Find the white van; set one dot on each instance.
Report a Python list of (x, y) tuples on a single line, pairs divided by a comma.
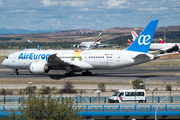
[(128, 96)]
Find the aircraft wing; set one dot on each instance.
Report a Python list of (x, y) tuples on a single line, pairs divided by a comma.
[(54, 60)]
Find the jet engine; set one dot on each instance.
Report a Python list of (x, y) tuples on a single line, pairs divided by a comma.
[(38, 68), (76, 46)]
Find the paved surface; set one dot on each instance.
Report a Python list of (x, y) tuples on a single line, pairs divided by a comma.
[(167, 74), (159, 77)]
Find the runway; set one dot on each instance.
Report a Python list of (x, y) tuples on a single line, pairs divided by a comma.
[(151, 74)]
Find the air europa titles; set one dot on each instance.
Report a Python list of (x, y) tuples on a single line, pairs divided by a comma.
[(33, 56)]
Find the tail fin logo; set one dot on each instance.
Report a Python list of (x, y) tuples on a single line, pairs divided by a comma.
[(144, 40)]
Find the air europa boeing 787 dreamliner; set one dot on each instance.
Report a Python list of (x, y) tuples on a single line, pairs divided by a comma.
[(41, 61)]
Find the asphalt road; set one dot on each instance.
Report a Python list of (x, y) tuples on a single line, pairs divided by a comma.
[(167, 74)]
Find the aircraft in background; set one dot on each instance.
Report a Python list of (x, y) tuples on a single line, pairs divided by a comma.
[(38, 48), (134, 35), (161, 41), (89, 45), (163, 47), (30, 41), (41, 61), (129, 41)]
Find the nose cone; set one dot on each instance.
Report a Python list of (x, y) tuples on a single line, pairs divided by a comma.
[(4, 63)]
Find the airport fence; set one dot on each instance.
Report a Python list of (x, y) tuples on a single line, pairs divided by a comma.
[(170, 110), (97, 99)]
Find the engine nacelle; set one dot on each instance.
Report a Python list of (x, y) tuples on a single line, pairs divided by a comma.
[(76, 46), (38, 68)]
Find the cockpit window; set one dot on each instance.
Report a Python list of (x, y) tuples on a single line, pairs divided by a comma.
[(6, 57)]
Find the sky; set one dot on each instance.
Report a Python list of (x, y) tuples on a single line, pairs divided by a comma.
[(86, 14)]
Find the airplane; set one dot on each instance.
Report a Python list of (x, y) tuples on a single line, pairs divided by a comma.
[(42, 61), (163, 47), (129, 42), (30, 41), (134, 35), (161, 41), (38, 48), (88, 45)]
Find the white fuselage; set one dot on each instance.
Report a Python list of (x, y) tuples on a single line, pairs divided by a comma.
[(88, 44), (85, 60), (162, 47)]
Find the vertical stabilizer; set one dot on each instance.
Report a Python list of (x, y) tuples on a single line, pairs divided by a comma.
[(98, 40), (38, 46), (143, 41), (161, 41), (134, 35)]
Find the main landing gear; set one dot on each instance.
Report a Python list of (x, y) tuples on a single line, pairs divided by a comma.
[(69, 74), (15, 71), (87, 73)]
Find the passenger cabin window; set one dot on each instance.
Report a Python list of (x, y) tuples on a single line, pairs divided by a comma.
[(133, 93), (140, 93)]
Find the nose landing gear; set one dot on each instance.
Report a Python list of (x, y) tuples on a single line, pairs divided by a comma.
[(15, 71)]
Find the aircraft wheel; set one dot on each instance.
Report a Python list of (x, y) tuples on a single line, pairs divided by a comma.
[(83, 73), (16, 73), (66, 74), (86, 73), (90, 73), (69, 74)]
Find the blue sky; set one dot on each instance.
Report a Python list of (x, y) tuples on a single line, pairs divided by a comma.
[(86, 14)]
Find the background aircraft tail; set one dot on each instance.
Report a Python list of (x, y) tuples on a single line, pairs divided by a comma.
[(161, 41), (129, 42), (99, 38), (134, 35), (38, 46), (143, 41)]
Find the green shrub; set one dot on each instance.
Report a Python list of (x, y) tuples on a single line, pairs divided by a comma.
[(168, 87), (102, 87)]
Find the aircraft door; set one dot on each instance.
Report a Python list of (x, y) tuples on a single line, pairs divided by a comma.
[(85, 58), (117, 58), (13, 58)]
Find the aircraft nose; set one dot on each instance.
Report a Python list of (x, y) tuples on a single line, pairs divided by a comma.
[(4, 63)]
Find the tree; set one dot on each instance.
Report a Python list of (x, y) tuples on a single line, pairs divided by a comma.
[(136, 84), (168, 88), (102, 87), (68, 88), (46, 90), (45, 108), (30, 90)]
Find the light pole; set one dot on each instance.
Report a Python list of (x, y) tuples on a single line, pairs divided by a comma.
[(97, 91), (29, 83), (160, 103)]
